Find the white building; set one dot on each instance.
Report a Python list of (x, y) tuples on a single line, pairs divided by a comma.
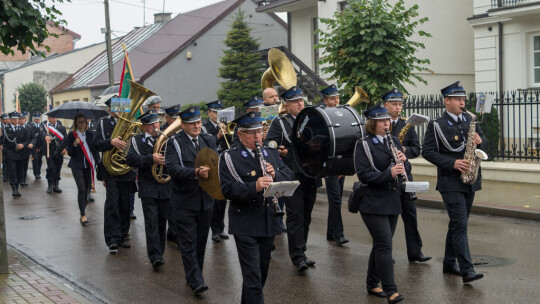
[(450, 50)]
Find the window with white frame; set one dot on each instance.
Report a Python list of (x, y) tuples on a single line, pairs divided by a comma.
[(536, 60)]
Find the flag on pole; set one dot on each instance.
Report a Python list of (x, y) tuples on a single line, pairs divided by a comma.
[(127, 74), (17, 104)]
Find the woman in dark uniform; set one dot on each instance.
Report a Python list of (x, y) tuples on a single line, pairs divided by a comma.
[(381, 204)]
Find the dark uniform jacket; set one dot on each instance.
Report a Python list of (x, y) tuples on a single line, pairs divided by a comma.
[(383, 195), (180, 161), (78, 160), (57, 145), (249, 213), (209, 128), (140, 156), (436, 152), (102, 143), (13, 137), (36, 131), (410, 142), (283, 138), (27, 151)]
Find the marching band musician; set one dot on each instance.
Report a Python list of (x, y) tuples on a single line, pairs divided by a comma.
[(252, 105), (53, 134), (444, 146), (252, 218), (15, 140), (300, 205), (380, 206), (393, 102), (212, 127), (270, 96), (37, 152), (152, 103), (5, 123), (27, 150), (155, 196), (191, 205), (118, 188), (334, 184)]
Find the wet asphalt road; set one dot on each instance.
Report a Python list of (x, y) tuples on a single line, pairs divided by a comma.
[(46, 228)]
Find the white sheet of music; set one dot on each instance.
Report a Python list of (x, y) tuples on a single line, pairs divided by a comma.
[(417, 119), (416, 186), (279, 189)]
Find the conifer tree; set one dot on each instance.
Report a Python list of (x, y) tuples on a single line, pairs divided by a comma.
[(240, 68)]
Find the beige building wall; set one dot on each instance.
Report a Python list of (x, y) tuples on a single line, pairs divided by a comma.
[(75, 95)]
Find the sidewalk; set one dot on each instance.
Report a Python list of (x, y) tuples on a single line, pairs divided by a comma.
[(508, 199), (28, 283)]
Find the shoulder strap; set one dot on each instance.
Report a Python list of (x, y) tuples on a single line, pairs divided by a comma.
[(283, 130), (134, 144), (231, 167), (177, 147)]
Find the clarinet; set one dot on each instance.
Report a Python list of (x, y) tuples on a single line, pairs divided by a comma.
[(398, 161), (279, 212)]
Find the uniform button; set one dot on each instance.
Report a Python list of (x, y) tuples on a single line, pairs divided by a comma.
[(394, 188), (238, 210)]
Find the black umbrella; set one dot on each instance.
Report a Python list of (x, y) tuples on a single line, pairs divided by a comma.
[(70, 109)]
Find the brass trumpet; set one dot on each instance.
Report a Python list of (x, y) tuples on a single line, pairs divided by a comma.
[(230, 127)]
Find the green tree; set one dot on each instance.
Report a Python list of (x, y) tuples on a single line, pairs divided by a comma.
[(369, 45), (24, 24), (32, 97), (240, 66)]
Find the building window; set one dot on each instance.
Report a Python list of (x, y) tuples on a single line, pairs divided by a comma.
[(536, 60), (343, 5)]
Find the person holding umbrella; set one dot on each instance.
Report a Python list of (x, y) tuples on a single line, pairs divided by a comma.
[(53, 133), (83, 160)]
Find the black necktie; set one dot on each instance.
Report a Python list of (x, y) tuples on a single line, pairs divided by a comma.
[(393, 125), (196, 144), (152, 140)]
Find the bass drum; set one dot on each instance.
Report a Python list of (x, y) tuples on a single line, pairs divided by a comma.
[(324, 140)]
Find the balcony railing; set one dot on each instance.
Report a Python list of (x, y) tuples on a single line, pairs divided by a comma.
[(508, 3)]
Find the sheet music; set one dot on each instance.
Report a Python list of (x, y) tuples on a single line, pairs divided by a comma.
[(417, 120), (226, 115), (279, 189), (416, 186)]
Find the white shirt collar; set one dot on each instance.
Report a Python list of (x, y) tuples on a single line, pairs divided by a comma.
[(455, 117), (381, 138), (191, 138)]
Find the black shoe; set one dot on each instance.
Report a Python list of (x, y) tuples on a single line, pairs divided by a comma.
[(15, 191), (273, 246), (125, 244), (56, 189), (380, 294), (126, 237), (156, 264), (91, 199), (200, 289), (215, 237), (472, 276), (397, 299), (132, 216), (309, 262), (341, 240), (37, 177), (162, 261), (452, 270), (283, 227), (24, 184), (49, 187), (113, 248), (223, 235), (420, 258), (302, 266)]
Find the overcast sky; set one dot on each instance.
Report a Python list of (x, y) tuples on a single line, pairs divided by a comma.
[(87, 17)]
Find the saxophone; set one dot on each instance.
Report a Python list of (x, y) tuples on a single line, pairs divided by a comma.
[(403, 132), (473, 155)]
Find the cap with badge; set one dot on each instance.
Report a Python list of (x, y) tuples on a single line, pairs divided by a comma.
[(215, 105), (378, 111), (249, 121), (292, 94), (14, 114), (330, 91), (173, 111), (393, 95), (454, 90), (36, 115), (254, 103), (24, 114), (4, 116), (149, 117), (191, 114)]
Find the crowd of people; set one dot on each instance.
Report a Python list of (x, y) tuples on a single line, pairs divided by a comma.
[(248, 164)]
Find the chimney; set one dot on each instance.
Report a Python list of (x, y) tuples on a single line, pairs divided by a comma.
[(162, 17)]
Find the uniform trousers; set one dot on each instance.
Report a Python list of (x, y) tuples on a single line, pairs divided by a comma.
[(25, 169), (218, 216), (334, 190), (117, 205), (254, 256), (15, 170), (5, 173), (54, 165), (299, 207), (37, 162), (155, 221), (192, 229), (458, 206), (410, 223), (83, 179), (380, 265)]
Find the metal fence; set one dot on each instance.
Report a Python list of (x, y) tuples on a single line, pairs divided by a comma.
[(507, 3), (512, 129)]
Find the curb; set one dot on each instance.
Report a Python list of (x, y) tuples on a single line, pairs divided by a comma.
[(476, 208)]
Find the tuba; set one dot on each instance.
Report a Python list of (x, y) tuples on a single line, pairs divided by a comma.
[(114, 160), (473, 155), (359, 96), (157, 170), (280, 70)]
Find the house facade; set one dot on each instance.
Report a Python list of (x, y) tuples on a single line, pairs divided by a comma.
[(450, 50)]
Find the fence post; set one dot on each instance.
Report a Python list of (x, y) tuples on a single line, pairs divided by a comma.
[(3, 240)]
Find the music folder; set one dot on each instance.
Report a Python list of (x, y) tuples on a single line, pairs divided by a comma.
[(279, 189), (416, 186)]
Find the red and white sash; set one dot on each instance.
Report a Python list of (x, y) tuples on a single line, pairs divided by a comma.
[(55, 132), (87, 154)]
